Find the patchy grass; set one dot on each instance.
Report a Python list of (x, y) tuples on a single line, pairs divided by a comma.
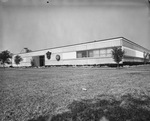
[(126, 108), (48, 93)]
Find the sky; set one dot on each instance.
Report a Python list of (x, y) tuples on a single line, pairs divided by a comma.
[(36, 24)]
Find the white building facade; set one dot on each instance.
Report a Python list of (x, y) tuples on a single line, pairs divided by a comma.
[(90, 53)]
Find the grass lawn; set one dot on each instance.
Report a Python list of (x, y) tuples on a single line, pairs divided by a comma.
[(27, 93)]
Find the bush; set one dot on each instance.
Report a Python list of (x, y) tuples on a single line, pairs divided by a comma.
[(33, 63)]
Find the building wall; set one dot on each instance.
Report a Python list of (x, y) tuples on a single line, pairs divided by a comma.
[(25, 62), (133, 51), (27, 57), (96, 52), (69, 56)]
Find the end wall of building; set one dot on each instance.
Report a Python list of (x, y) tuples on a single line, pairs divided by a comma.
[(134, 52)]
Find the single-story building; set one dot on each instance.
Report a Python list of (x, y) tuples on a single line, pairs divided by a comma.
[(96, 52)]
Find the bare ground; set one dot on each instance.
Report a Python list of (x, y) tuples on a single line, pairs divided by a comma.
[(27, 93)]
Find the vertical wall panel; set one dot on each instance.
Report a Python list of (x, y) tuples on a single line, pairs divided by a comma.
[(69, 55), (133, 53)]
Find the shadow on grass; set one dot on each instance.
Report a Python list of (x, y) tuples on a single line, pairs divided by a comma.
[(40, 118), (106, 108)]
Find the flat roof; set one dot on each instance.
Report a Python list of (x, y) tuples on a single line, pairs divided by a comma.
[(134, 43), (90, 42)]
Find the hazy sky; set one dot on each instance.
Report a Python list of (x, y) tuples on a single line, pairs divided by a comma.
[(38, 25)]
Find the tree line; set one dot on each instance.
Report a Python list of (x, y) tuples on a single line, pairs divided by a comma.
[(6, 58)]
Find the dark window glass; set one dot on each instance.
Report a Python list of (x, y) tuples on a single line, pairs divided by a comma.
[(90, 53), (81, 54)]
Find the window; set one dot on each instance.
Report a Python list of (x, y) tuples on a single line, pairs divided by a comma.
[(108, 51), (81, 54), (103, 53), (90, 53), (96, 53)]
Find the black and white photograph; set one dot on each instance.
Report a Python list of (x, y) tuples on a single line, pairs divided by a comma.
[(74, 60)]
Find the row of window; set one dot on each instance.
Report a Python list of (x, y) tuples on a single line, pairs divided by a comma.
[(94, 53)]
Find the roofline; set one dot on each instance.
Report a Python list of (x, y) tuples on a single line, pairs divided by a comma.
[(74, 44), (89, 42), (135, 43)]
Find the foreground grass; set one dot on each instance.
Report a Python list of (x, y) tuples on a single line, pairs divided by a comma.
[(51, 93), (108, 108)]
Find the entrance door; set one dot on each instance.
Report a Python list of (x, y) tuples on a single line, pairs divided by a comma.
[(42, 60)]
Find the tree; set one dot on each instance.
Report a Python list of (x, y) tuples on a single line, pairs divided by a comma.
[(145, 57), (117, 54), (18, 59), (33, 63), (5, 57)]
